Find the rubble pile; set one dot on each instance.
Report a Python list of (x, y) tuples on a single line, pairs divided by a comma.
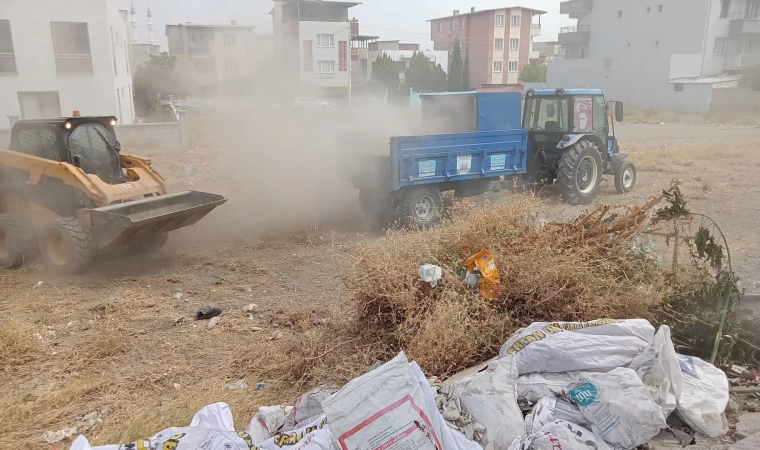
[(603, 384)]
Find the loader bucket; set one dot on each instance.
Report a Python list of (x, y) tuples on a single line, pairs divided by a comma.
[(141, 219)]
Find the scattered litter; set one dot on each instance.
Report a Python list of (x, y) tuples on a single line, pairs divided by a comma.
[(37, 284), (240, 384), (276, 335), (599, 345), (178, 295), (535, 386), (704, 396), (214, 320), (177, 386), (317, 321), (483, 264), (260, 385), (179, 320), (249, 308), (82, 424), (658, 368), (256, 329), (560, 435), (116, 298), (430, 273), (207, 313), (38, 336), (308, 407), (51, 437), (267, 421), (549, 409)]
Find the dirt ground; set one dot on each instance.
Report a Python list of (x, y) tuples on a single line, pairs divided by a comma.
[(122, 339)]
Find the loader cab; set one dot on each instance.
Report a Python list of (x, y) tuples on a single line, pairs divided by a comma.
[(85, 142)]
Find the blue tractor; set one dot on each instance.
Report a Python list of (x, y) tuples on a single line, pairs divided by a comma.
[(565, 136)]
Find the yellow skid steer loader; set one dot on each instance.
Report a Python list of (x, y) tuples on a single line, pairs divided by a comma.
[(67, 193)]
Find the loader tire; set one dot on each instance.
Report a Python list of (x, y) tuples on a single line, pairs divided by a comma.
[(579, 175), (17, 241), (423, 207), (66, 246)]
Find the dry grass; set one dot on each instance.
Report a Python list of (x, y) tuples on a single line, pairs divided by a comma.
[(18, 345)]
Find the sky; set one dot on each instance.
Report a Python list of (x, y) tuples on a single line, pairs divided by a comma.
[(390, 19)]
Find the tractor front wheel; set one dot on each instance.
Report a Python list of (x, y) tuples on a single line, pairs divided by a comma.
[(580, 173), (625, 177), (423, 207), (16, 241), (66, 246)]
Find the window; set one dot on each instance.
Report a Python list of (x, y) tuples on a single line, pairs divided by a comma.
[(461, 24), (230, 40), (499, 44), (599, 124), (231, 66), (7, 55), (325, 40), (752, 10), (538, 119), (513, 66), (113, 53), (649, 9), (498, 66), (747, 47), (515, 20), (620, 14), (326, 66), (720, 46), (582, 53), (678, 87), (452, 26), (71, 44), (499, 20), (199, 39), (440, 27), (659, 8), (725, 6), (40, 142), (514, 44), (93, 142)]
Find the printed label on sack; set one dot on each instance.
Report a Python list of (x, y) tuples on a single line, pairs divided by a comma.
[(687, 366), (464, 164), (584, 394), (554, 328), (498, 161), (427, 168)]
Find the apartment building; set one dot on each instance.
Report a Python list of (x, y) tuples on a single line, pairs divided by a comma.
[(312, 41), (499, 42), (215, 54), (667, 54), (549, 51), (402, 54), (57, 57)]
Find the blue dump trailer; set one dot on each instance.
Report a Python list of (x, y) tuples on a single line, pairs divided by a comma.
[(563, 136)]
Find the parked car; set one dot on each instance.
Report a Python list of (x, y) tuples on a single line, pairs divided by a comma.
[(310, 103)]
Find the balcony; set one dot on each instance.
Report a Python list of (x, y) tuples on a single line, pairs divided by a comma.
[(739, 62), (579, 35), (744, 22), (535, 29), (575, 8)]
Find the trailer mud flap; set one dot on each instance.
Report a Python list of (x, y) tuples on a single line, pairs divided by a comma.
[(141, 219)]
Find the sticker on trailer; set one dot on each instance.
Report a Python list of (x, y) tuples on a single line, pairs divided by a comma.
[(498, 161), (427, 168), (464, 164)]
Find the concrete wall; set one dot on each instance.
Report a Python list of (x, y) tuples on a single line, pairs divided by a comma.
[(733, 100), (308, 31), (170, 134), (481, 48), (92, 94)]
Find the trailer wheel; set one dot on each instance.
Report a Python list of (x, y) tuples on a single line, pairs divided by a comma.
[(580, 173), (66, 246), (17, 241), (378, 209), (625, 177), (423, 207)]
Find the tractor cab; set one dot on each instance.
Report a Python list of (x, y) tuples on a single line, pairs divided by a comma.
[(85, 142), (561, 121)]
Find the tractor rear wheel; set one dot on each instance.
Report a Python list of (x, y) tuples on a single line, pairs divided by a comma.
[(625, 177), (580, 173), (17, 241), (66, 246), (423, 207)]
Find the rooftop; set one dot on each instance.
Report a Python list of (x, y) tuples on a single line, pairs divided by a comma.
[(321, 2), (201, 25), (362, 37), (535, 11)]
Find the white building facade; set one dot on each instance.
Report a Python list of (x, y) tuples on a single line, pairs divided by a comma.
[(58, 57), (325, 54), (655, 53)]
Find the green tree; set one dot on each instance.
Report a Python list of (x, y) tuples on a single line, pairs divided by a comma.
[(533, 73), (420, 75), (456, 69), (467, 84), (154, 81), (385, 72), (440, 79)]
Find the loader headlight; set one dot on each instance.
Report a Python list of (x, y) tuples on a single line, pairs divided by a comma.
[(113, 122), (67, 125)]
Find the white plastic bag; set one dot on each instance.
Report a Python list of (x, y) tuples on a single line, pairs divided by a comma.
[(535, 386), (430, 273), (549, 409), (308, 407), (598, 345), (618, 406), (313, 436), (560, 435), (384, 408), (490, 397), (704, 396), (267, 421), (658, 368)]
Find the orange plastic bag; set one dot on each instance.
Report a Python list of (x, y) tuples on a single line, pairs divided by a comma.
[(490, 282)]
